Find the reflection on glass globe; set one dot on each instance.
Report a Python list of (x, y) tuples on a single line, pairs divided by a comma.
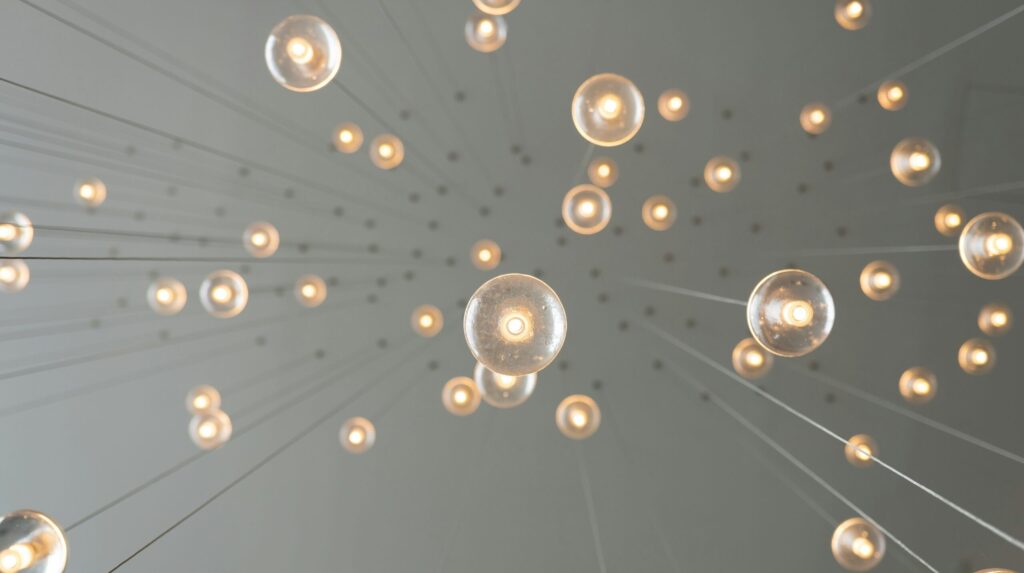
[(31, 542), (303, 53), (915, 161), (859, 449), (261, 239), (995, 319), (949, 219), (166, 296), (992, 245), (750, 360), (658, 213), (790, 312), (501, 390), (918, 385), (348, 138), (16, 232), (224, 294), (210, 430), (515, 324), (485, 254), (858, 545), (853, 14), (310, 291), (603, 172), (722, 174), (977, 356), (892, 95), (607, 110), (203, 399), (815, 118), (586, 209), (578, 417), (879, 280), (387, 151), (14, 275), (485, 32), (496, 7), (673, 104), (91, 192), (357, 435), (427, 320), (996, 570), (460, 396)]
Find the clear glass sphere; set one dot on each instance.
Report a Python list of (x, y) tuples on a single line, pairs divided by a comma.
[(853, 14), (992, 245), (16, 232), (210, 430), (460, 396), (586, 209), (722, 174), (880, 280), (14, 275), (31, 542), (918, 385), (673, 104), (515, 324), (203, 399), (485, 254), (603, 172), (501, 390), (608, 110), (949, 219), (261, 239), (976, 356), (224, 294), (790, 312), (427, 320), (915, 161), (357, 435), (658, 212), (859, 449), (496, 7), (857, 545), (892, 95), (166, 296), (750, 360), (578, 417), (996, 570), (486, 32), (310, 291), (348, 137), (995, 319), (91, 192), (387, 151), (815, 118), (303, 53)]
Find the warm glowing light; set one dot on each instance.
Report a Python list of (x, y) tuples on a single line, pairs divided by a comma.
[(673, 104), (210, 429), (300, 50), (998, 244), (977, 356), (879, 280), (863, 548), (348, 138), (919, 161), (485, 28), (722, 174), (387, 151), (586, 209), (357, 435), (750, 360), (485, 255), (202, 399), (166, 296), (17, 557), (496, 7), (91, 192), (607, 109), (303, 53), (31, 543), (658, 213), (815, 118), (852, 14), (14, 275), (918, 385), (992, 245), (860, 449), (224, 294), (798, 313), (790, 312), (261, 239), (16, 232), (995, 319), (427, 320), (603, 172), (310, 291), (915, 161), (892, 95), (578, 417), (609, 106), (486, 33), (948, 219), (8, 232), (503, 390)]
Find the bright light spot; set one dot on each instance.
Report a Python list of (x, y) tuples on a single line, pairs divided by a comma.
[(723, 173), (609, 106), (919, 161), (863, 548), (222, 294), (998, 244), (300, 50), (798, 313)]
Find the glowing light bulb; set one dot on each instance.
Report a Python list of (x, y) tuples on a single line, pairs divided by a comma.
[(815, 118), (485, 255), (586, 209), (658, 213), (486, 33), (977, 356), (859, 450), (578, 417), (722, 174), (918, 385), (387, 151), (992, 245), (310, 291), (166, 296), (303, 53), (607, 110), (496, 7), (995, 319), (915, 161), (857, 545), (427, 320), (91, 192), (892, 95), (224, 294), (357, 435), (995, 570), (460, 396), (790, 312), (31, 542), (673, 104), (502, 390), (879, 280), (348, 137), (750, 360), (17, 557), (210, 429), (203, 399), (603, 172), (14, 275), (853, 14), (16, 232), (948, 220), (261, 239)]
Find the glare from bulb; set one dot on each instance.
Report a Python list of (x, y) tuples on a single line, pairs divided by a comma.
[(485, 255), (310, 291), (224, 294), (496, 7), (31, 542), (815, 118), (673, 105), (915, 161), (502, 390), (303, 53), (992, 245), (202, 399), (586, 209), (387, 151), (722, 174), (461, 396), (750, 360), (91, 192), (790, 312), (578, 417), (486, 33), (859, 450), (658, 213), (892, 95), (210, 429), (853, 14), (608, 110), (166, 296), (918, 385), (995, 319), (16, 232), (261, 239), (879, 280), (14, 275), (603, 172), (977, 356), (357, 435), (948, 220), (427, 320), (348, 137), (858, 545)]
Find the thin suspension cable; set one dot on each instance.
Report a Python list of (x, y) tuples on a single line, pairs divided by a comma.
[(680, 290), (588, 494), (871, 251)]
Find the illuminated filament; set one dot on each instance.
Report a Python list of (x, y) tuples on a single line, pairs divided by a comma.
[(505, 382), (723, 173), (356, 436), (609, 106), (863, 452), (201, 402), (486, 28), (86, 191), (8, 232), (660, 212), (386, 150), (863, 547), (8, 274), (579, 418), (817, 117), (208, 430), (998, 244), (309, 290), (881, 280), (604, 170), (979, 356), (798, 313), (854, 10), (300, 50), (919, 161), (675, 103), (953, 220), (515, 328), (346, 136), (426, 321), (485, 255), (586, 209), (754, 358), (17, 557), (895, 94), (998, 318), (460, 396), (921, 387), (165, 295), (259, 239), (222, 294)]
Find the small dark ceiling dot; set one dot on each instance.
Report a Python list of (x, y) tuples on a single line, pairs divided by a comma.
[(623, 326), (841, 231), (332, 281), (408, 275), (595, 272), (139, 215), (726, 113), (596, 384), (289, 193), (499, 191), (153, 274), (164, 334), (432, 365), (461, 303), (442, 190), (762, 388), (382, 343), (172, 191), (803, 188), (261, 341), (319, 354), (303, 247), (755, 228), (697, 220), (370, 223), (668, 257), (723, 272), (691, 323), (812, 136), (828, 165), (414, 197), (129, 150), (617, 230), (639, 148), (460, 96), (744, 156), (657, 365), (560, 223), (243, 171), (203, 241), (417, 253), (432, 225), (485, 211), (220, 211), (516, 150), (830, 398), (705, 397), (563, 364), (371, 298), (404, 114), (95, 323), (695, 181), (539, 273), (244, 269), (450, 261), (862, 98), (602, 297), (382, 282), (453, 156), (339, 211), (561, 241), (525, 160), (373, 248), (813, 366), (279, 291), (122, 302), (649, 311)]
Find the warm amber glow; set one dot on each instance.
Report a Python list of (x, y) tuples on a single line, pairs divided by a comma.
[(386, 150), (863, 452), (998, 244), (504, 381), (17, 557), (675, 103), (308, 290), (222, 294), (460, 396), (8, 232), (356, 436), (300, 50), (660, 212), (515, 327), (881, 280), (586, 209), (604, 170), (485, 255), (998, 318), (979, 356), (921, 387), (207, 430), (817, 116), (201, 402), (8, 274), (485, 28), (863, 548), (919, 161), (346, 136), (953, 220), (723, 173), (798, 313), (895, 93), (609, 106), (426, 321), (754, 359), (87, 191), (579, 418)]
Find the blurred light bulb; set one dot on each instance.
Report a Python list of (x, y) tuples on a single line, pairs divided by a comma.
[(853, 14), (224, 294), (303, 53), (578, 417), (658, 212), (210, 429), (995, 319), (460, 396), (992, 245), (603, 172), (586, 209), (915, 161), (859, 450), (348, 138), (17, 557), (427, 320), (486, 33), (918, 385), (722, 174), (357, 435), (261, 239), (387, 151), (496, 7), (977, 356), (502, 390), (750, 360), (91, 192), (879, 280), (815, 118), (203, 399), (485, 255), (673, 104), (857, 545), (948, 220), (16, 232), (14, 275), (31, 542), (166, 296), (310, 291), (790, 312), (607, 110), (892, 95)]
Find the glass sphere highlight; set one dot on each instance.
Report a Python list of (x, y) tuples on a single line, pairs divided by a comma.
[(357, 435), (853, 14), (14, 275), (892, 95), (515, 324), (460, 396), (722, 174), (203, 399), (501, 390), (815, 118), (427, 320), (486, 33), (976, 356), (16, 232), (578, 417), (91, 192), (303, 53), (261, 239), (603, 172), (750, 360), (348, 138), (673, 104), (857, 545), (880, 280), (310, 291), (608, 110), (859, 449), (210, 430), (915, 161), (485, 254), (995, 319), (790, 312), (387, 151), (166, 296), (992, 245), (496, 7), (658, 213), (31, 542), (586, 209), (224, 294), (918, 385), (996, 570), (949, 219)]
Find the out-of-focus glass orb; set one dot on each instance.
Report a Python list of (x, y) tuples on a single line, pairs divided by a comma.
[(853, 14), (485, 32), (203, 399), (387, 151), (880, 280), (31, 542), (578, 417), (91, 192), (790, 312), (14, 275), (995, 319), (750, 360), (608, 110), (673, 104), (16, 232), (857, 545), (485, 254), (892, 95), (303, 53), (586, 209), (348, 138), (166, 296), (658, 212), (357, 435), (992, 245), (515, 324), (427, 320), (310, 291), (949, 219), (859, 449), (915, 161), (460, 396), (224, 294), (918, 385), (996, 570), (603, 172), (210, 430), (501, 390), (261, 239), (815, 118), (496, 7), (722, 174), (977, 356)]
